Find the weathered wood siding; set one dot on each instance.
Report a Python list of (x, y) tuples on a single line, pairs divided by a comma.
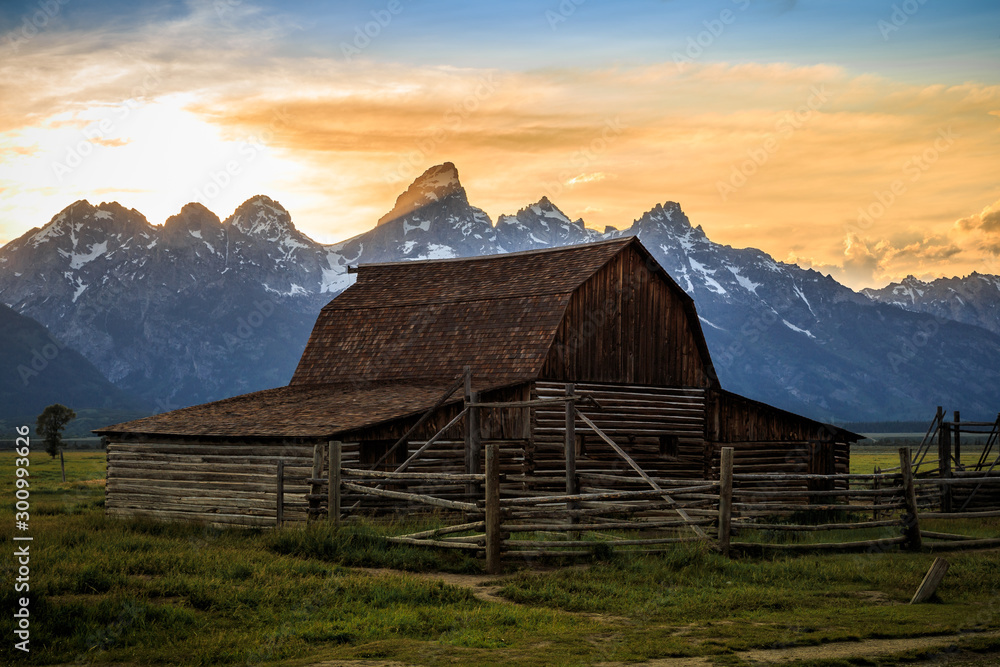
[(742, 419), (661, 428), (232, 484), (768, 440), (626, 325)]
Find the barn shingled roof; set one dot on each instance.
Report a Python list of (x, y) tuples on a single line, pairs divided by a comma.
[(426, 320), (415, 324), (306, 411)]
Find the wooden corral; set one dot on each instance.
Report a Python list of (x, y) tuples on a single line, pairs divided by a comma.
[(396, 361)]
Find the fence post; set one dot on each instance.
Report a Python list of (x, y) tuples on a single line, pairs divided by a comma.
[(725, 498), (281, 493), (571, 485), (958, 440), (473, 443), (876, 485), (944, 460), (333, 482), (314, 487), (493, 536), (911, 523), (471, 427), (62, 464)]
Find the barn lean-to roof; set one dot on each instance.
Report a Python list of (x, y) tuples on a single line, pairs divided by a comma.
[(305, 411)]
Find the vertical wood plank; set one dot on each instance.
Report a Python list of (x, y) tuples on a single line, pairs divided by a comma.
[(280, 517), (931, 581), (911, 522), (317, 472), (725, 498), (570, 444), (493, 536), (333, 485), (958, 439), (944, 461)]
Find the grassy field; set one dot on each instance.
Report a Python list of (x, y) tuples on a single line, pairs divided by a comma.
[(120, 592)]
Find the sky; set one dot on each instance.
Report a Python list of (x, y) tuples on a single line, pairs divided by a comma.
[(859, 138)]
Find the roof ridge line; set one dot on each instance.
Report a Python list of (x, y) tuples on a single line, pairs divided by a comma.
[(424, 303), (518, 253)]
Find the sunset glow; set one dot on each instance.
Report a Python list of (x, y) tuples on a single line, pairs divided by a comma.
[(835, 135)]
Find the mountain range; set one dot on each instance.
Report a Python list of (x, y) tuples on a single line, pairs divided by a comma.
[(199, 308)]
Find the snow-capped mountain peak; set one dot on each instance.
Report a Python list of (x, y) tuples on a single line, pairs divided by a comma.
[(540, 225), (974, 299), (263, 218), (434, 185)]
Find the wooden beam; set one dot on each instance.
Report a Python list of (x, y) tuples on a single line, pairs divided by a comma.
[(415, 497), (944, 459), (333, 488), (280, 516), (442, 477), (569, 444), (911, 522), (317, 473), (420, 422), (473, 437), (958, 440), (494, 538), (725, 498), (931, 581)]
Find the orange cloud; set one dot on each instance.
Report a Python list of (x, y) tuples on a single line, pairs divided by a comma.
[(770, 155)]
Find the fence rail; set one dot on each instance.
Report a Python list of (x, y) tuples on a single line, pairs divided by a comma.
[(739, 512)]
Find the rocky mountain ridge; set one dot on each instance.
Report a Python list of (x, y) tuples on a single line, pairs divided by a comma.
[(199, 309)]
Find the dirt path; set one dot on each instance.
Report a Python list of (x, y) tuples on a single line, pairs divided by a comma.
[(864, 649), (476, 583)]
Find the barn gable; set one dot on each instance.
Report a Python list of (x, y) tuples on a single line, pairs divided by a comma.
[(630, 323)]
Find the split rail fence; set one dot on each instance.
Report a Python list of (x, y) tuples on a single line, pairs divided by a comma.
[(501, 509), (739, 512)]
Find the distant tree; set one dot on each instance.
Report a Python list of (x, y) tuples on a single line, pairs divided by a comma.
[(50, 426)]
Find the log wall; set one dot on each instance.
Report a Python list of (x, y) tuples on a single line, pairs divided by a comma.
[(662, 428), (232, 484)]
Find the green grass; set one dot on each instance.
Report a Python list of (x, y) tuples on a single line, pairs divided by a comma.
[(865, 458), (108, 591)]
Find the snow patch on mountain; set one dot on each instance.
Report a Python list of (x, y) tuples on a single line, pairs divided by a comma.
[(714, 326), (77, 260), (423, 225), (797, 329), (802, 296), (437, 251), (744, 282)]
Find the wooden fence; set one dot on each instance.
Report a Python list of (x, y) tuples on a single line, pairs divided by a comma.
[(738, 513)]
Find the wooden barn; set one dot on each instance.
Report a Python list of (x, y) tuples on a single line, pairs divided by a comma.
[(394, 360)]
